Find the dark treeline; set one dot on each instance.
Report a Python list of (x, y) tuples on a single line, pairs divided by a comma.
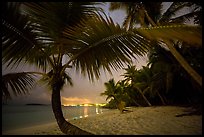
[(162, 82)]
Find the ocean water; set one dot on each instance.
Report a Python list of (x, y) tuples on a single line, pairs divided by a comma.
[(20, 116)]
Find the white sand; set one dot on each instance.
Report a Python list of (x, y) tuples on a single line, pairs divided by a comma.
[(141, 121)]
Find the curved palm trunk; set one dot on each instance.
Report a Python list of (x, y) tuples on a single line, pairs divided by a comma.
[(184, 63), (65, 127)]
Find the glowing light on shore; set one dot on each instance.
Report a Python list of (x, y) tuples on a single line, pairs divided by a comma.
[(86, 104), (73, 101), (72, 105)]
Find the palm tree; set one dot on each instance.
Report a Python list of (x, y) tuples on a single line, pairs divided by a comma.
[(115, 91), (135, 13), (123, 93), (41, 47), (152, 82), (150, 13), (140, 9), (43, 38), (60, 36)]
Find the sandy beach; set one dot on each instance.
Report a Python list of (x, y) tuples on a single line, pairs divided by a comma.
[(160, 120)]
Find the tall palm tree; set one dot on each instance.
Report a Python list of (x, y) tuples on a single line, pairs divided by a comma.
[(61, 36), (141, 9), (30, 38)]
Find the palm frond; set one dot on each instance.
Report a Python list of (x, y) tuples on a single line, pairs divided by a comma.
[(67, 79), (186, 33), (183, 18), (48, 79), (16, 32), (51, 18), (101, 43), (19, 41), (20, 83), (171, 11)]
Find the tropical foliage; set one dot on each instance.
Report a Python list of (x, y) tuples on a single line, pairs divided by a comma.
[(163, 81), (140, 10), (20, 83), (116, 91)]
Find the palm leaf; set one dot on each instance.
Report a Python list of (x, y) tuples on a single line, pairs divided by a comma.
[(20, 83), (189, 34), (171, 11), (101, 43), (51, 17), (48, 79), (28, 39), (16, 32), (186, 33), (19, 41), (183, 18)]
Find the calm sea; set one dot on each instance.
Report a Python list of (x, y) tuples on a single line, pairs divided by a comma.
[(14, 117)]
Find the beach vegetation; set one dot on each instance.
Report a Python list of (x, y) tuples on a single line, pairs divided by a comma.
[(157, 80), (116, 91)]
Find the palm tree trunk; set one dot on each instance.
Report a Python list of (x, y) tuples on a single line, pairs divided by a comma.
[(165, 99), (184, 63), (146, 100), (162, 100), (136, 103), (65, 127), (119, 104)]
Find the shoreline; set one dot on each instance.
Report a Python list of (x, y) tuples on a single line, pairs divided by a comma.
[(156, 120)]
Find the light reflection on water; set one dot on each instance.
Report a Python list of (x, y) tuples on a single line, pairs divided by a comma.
[(98, 111), (77, 112), (86, 112)]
